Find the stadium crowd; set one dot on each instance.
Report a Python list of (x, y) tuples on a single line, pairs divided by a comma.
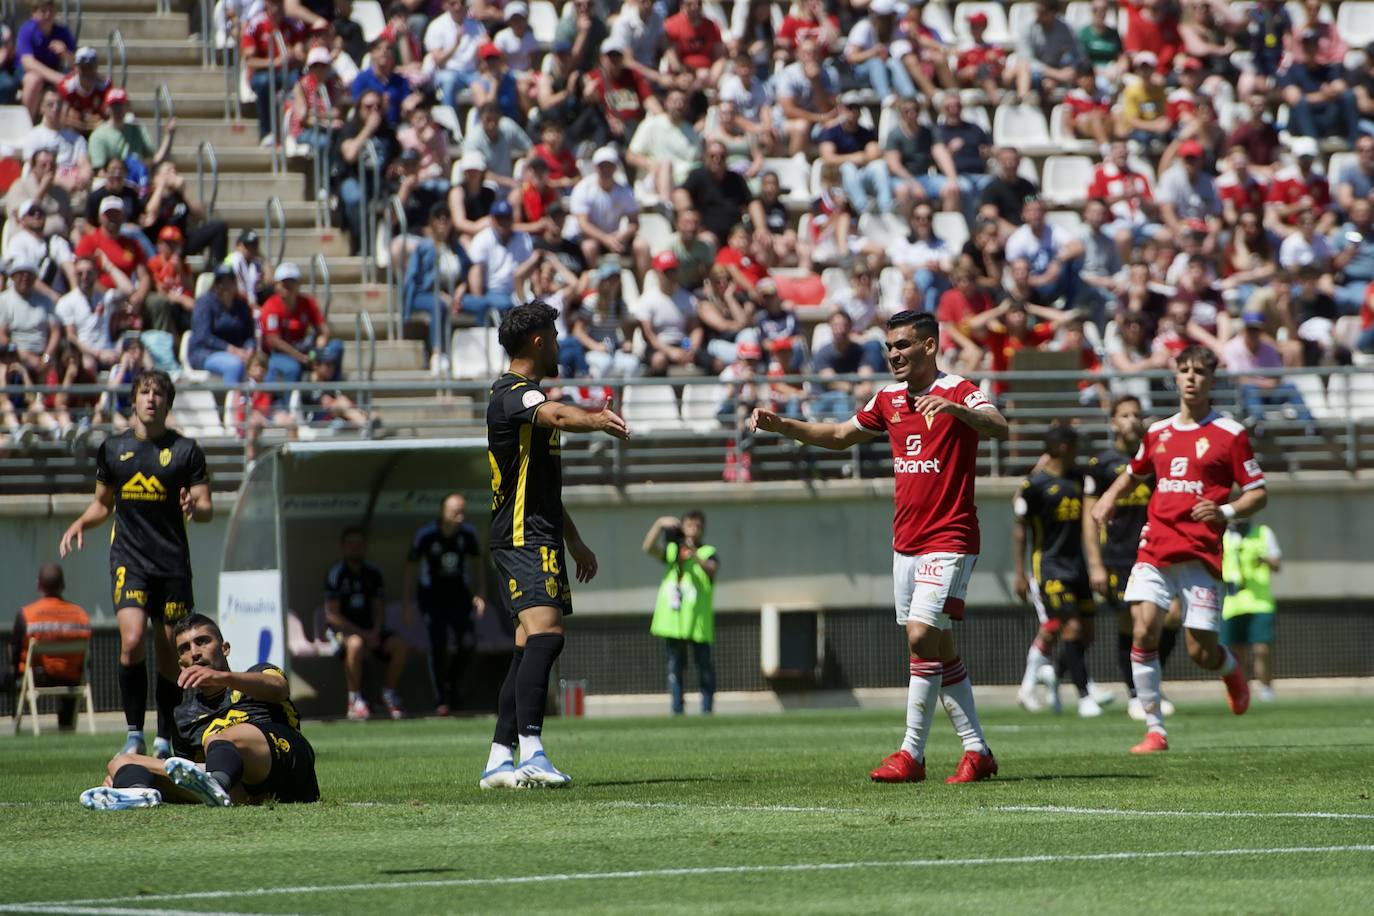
[(745, 198)]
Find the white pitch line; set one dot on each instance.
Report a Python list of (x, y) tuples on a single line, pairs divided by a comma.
[(799, 867), (1129, 812), (64, 908), (786, 809)]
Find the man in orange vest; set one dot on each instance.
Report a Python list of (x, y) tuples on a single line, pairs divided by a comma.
[(50, 617)]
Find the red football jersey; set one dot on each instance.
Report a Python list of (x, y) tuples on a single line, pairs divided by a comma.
[(84, 101), (1289, 187), (1191, 462), (933, 462), (1247, 194)]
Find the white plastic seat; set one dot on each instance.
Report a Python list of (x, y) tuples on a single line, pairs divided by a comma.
[(794, 175), (835, 281), (15, 125), (1338, 163), (369, 15), (650, 407), (936, 17), (1066, 180), (997, 31), (656, 232), (1020, 18), (1023, 127), (197, 414), (188, 374), (543, 21), (699, 405), (1068, 220), (1063, 136), (468, 353), (1313, 394), (447, 118), (952, 228), (890, 284), (1144, 167), (1355, 22), (629, 288)]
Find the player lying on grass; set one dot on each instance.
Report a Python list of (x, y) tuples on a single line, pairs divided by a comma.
[(1197, 457), (237, 741), (933, 421)]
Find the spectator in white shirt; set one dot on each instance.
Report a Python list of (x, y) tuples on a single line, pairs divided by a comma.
[(500, 140), (73, 157), (639, 27), (668, 319), (1305, 247), (1052, 253), (501, 260), (517, 42), (666, 147), (52, 254), (81, 313), (606, 213), (925, 257), (451, 44)]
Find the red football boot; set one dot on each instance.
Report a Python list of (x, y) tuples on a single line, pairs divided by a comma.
[(1237, 691), (899, 767), (1154, 743), (973, 767)]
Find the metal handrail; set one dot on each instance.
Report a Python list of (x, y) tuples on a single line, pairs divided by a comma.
[(9, 10), (206, 158), (67, 18), (233, 78), (363, 331), (162, 97), (208, 33), (320, 160), (367, 214), (319, 274), (277, 53), (273, 211), (113, 41), (395, 275)]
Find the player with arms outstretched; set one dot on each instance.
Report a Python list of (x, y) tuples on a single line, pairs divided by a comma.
[(151, 479), (1197, 457), (1110, 551), (529, 528), (933, 421)]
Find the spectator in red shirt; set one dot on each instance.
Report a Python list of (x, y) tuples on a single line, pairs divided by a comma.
[(553, 149), (982, 65), (1297, 189), (620, 95), (171, 303), (260, 57), (115, 252), (1259, 137), (695, 49), (84, 92), (958, 306), (1149, 27), (293, 330), (1239, 188), (531, 200), (810, 21), (1089, 109), (736, 257), (1006, 329)]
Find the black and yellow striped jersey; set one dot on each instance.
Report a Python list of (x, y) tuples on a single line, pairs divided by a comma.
[(147, 476), (526, 467), (1052, 507), (1122, 534), (200, 717)]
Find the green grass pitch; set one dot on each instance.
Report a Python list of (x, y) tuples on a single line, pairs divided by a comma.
[(1270, 813)]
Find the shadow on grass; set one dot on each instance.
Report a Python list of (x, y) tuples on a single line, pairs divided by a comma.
[(655, 782), (418, 871), (1071, 777)]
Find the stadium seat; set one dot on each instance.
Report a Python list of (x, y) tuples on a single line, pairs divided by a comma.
[(997, 32), (656, 231), (543, 21), (890, 283), (1337, 164), (1020, 18), (1068, 220), (883, 228), (1144, 167), (936, 17), (835, 280), (629, 288), (188, 374), (978, 114), (1352, 395), (649, 407), (1298, 14), (794, 174), (1355, 22), (470, 354), (1066, 180), (15, 125), (369, 15), (886, 122), (952, 228), (197, 415), (1022, 127), (1063, 136), (1313, 394), (447, 118), (699, 405)]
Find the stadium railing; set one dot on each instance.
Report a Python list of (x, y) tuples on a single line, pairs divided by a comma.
[(681, 432)]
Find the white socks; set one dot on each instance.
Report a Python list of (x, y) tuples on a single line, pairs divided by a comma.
[(921, 696), (1146, 672), (1035, 657), (529, 746), (499, 756), (957, 694)]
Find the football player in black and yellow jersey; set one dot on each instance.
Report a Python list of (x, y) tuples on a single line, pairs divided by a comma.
[(151, 480), (1110, 552), (529, 529), (1049, 506), (238, 739)]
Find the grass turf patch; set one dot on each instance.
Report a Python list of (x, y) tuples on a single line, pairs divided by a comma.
[(738, 814)]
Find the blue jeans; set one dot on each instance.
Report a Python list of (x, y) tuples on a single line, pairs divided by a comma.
[(572, 358), (971, 187), (882, 76), (1257, 400), (226, 365), (351, 203), (1339, 118), (1065, 287), (497, 300), (282, 368), (931, 284), (832, 404), (1349, 296), (874, 179), (261, 82), (450, 84), (1365, 342), (437, 310), (706, 672)]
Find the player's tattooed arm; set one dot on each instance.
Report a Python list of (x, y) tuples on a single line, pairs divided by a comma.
[(835, 436)]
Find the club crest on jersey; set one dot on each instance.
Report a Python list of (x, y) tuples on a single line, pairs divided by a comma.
[(1202, 446), (164, 457), (125, 456), (1166, 435), (895, 418)]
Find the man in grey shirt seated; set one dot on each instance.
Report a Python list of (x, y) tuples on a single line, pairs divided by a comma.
[(1047, 53)]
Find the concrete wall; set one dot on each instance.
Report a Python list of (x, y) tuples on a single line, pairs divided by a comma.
[(785, 543)]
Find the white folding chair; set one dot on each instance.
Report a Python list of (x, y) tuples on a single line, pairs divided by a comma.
[(649, 407), (1063, 136), (1066, 180), (29, 691), (1024, 128), (15, 124), (369, 15)]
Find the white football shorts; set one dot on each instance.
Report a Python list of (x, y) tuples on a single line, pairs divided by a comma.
[(930, 587), (1193, 584)]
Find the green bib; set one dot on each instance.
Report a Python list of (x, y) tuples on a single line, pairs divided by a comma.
[(686, 604)]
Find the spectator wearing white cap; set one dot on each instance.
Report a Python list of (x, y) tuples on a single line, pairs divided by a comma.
[(666, 147), (52, 254), (116, 254), (84, 91), (616, 98), (294, 333), (500, 141), (40, 184), (605, 211), (868, 51), (451, 44), (470, 197), (26, 319), (517, 42), (73, 157)]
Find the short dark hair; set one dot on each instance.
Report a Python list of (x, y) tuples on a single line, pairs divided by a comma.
[(350, 531), (1125, 399), (923, 323), (487, 108), (51, 582), (522, 321), (193, 620), (155, 378), (1199, 356), (696, 514), (1058, 435)]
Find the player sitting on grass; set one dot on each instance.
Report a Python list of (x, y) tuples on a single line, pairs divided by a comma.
[(242, 728), (1196, 456)]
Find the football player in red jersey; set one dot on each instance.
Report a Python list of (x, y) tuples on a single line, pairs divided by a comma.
[(933, 421), (1197, 457)]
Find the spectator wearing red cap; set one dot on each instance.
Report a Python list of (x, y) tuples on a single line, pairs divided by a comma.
[(1187, 192), (258, 46), (171, 303), (116, 139), (495, 83), (982, 65), (45, 49), (668, 318)]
